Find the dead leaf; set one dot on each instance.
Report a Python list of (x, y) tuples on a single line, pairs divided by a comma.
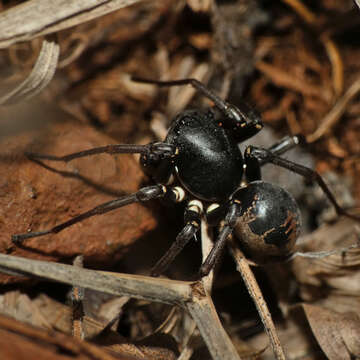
[(337, 334), (38, 197), (18, 340)]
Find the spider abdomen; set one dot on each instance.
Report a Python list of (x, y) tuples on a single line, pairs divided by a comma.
[(209, 163), (269, 223)]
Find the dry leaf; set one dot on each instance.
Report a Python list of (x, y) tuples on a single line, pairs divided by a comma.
[(18, 340), (37, 198), (338, 334), (338, 273)]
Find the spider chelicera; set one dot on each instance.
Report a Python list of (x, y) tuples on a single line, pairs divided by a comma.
[(200, 163)]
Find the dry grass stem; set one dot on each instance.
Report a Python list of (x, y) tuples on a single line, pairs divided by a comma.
[(77, 297), (40, 76), (302, 10), (206, 246), (337, 64), (332, 118), (284, 79), (255, 292), (40, 17)]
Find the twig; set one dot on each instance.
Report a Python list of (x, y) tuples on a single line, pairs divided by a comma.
[(302, 10), (77, 297), (189, 295), (203, 312), (335, 113), (33, 337), (206, 246), (284, 79), (40, 17), (337, 64), (255, 292)]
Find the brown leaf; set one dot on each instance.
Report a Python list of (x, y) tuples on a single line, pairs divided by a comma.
[(51, 315), (18, 340), (33, 197), (336, 273), (337, 334)]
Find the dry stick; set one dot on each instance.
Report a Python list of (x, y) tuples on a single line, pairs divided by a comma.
[(207, 281), (206, 246), (36, 18), (335, 113), (86, 349), (203, 312), (186, 353), (77, 297), (180, 97), (189, 295), (188, 343), (302, 10), (255, 292), (282, 78), (337, 64)]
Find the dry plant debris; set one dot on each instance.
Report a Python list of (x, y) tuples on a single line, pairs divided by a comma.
[(77, 186), (296, 61)]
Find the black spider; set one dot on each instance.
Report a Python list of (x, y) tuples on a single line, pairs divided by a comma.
[(200, 162)]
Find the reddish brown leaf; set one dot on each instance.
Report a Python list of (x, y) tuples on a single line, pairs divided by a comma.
[(37, 199), (19, 342)]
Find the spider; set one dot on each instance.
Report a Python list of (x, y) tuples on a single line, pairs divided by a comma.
[(200, 163)]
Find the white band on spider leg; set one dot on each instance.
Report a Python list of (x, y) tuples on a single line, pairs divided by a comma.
[(195, 205), (179, 193), (212, 207)]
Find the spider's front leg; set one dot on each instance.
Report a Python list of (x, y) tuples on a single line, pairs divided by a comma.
[(242, 120), (155, 150)]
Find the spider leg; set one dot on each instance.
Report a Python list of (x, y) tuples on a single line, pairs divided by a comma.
[(285, 144), (242, 119), (159, 149), (192, 217), (182, 239), (267, 156), (253, 164), (144, 194), (198, 85), (216, 251)]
